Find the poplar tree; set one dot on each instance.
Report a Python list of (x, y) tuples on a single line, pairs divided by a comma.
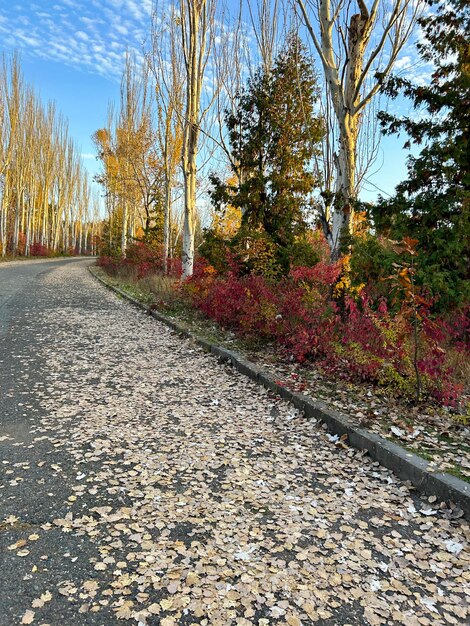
[(357, 42)]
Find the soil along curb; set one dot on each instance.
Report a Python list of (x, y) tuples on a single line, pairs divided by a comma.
[(404, 464)]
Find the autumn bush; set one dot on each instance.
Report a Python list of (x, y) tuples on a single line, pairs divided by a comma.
[(141, 260), (109, 264), (355, 337), (38, 249), (314, 315)]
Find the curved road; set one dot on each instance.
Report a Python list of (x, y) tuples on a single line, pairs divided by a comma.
[(145, 483)]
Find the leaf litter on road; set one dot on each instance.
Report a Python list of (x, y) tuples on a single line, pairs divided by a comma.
[(203, 509)]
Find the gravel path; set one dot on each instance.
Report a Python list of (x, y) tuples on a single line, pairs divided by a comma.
[(145, 483)]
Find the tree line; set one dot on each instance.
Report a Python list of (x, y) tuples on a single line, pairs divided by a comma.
[(46, 203), (270, 121)]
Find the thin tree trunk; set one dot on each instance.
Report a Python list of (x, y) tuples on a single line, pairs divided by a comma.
[(125, 220), (166, 223)]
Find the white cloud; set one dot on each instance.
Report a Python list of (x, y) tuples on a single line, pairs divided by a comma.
[(81, 35), (91, 34), (402, 63), (121, 29)]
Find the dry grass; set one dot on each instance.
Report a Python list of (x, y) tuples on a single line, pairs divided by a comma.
[(167, 290), (460, 364)]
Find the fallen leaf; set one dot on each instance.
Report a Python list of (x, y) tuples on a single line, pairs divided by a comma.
[(124, 611), (428, 511), (28, 617), (39, 602), (154, 609), (166, 604), (454, 547), (19, 544), (100, 567)]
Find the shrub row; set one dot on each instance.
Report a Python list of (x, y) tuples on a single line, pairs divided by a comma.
[(352, 335), (353, 338)]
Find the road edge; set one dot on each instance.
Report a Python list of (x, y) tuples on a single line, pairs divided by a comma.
[(404, 464)]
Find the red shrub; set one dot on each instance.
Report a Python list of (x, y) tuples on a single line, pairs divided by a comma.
[(38, 249), (358, 339), (109, 264), (142, 260), (457, 328), (361, 341)]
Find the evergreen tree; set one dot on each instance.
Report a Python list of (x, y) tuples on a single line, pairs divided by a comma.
[(273, 137), (432, 205)]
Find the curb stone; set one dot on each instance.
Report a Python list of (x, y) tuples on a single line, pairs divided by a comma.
[(404, 464)]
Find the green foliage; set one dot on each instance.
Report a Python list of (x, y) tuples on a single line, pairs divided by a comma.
[(273, 136), (433, 204), (371, 263), (152, 234), (111, 235), (303, 252), (257, 253), (214, 249)]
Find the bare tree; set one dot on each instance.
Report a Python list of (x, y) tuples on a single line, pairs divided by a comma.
[(197, 26), (269, 21), (358, 43), (166, 63)]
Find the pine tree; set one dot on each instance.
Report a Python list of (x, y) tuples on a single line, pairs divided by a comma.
[(273, 136), (433, 204)]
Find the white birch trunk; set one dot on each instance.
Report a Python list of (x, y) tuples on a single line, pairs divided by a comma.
[(125, 220), (342, 33), (166, 223), (196, 25)]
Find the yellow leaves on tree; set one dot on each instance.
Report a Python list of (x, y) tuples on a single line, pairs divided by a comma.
[(227, 224)]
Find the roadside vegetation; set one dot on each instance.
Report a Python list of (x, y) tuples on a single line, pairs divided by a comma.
[(376, 322), (239, 205), (233, 170)]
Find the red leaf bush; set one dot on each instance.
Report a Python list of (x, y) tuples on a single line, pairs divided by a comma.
[(361, 340), (141, 261), (38, 249), (356, 338)]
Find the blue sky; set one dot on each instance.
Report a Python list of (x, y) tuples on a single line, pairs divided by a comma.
[(72, 51)]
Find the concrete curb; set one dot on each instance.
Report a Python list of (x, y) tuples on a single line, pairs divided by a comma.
[(404, 464)]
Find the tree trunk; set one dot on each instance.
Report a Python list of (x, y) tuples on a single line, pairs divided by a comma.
[(342, 219), (166, 222), (354, 72), (196, 26), (3, 223), (125, 219), (189, 173)]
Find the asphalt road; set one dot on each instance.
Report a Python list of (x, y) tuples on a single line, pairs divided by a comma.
[(144, 483), (15, 280)]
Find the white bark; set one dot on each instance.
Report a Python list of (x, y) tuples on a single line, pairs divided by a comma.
[(40, 176), (358, 43), (166, 63), (196, 35), (166, 225)]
